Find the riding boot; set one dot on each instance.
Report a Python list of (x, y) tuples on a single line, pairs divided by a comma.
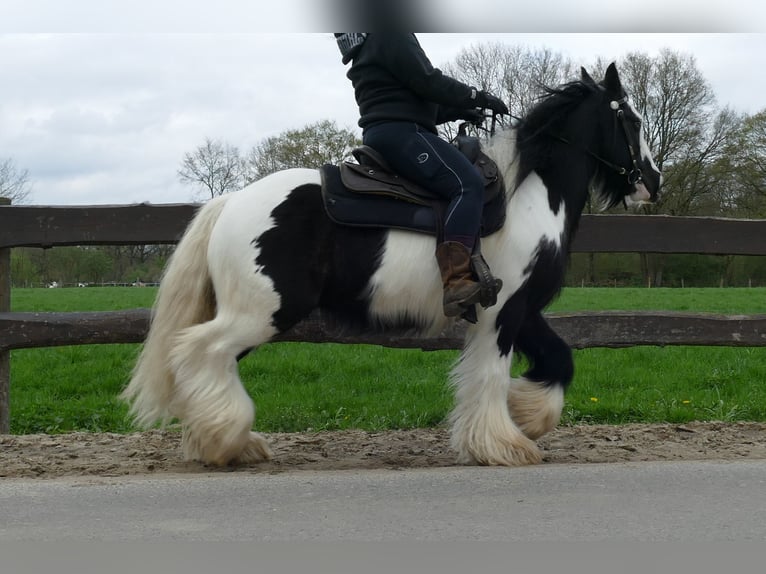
[(461, 290)]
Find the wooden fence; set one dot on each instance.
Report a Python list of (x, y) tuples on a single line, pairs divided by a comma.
[(38, 226)]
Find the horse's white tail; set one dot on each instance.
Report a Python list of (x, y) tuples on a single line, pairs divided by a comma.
[(185, 298)]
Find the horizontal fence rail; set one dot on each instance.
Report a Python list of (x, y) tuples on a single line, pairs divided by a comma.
[(33, 226), (52, 226), (140, 224), (580, 330)]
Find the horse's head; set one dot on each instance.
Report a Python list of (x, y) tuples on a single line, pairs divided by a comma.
[(629, 173)]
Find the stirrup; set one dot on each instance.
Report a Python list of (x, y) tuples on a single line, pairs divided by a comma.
[(490, 285)]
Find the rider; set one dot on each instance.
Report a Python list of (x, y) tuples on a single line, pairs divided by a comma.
[(401, 99)]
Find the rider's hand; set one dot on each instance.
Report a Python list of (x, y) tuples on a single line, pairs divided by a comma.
[(487, 100), (473, 116)]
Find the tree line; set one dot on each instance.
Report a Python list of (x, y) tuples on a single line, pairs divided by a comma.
[(217, 167), (713, 160)]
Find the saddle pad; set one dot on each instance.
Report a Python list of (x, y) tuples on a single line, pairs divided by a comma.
[(371, 209), (377, 210), (366, 179)]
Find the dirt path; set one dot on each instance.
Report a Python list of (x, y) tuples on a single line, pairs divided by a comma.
[(84, 454)]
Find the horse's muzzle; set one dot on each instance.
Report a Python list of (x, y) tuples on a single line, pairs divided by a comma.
[(639, 196)]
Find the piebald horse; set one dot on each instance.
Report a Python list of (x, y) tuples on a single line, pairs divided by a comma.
[(255, 262)]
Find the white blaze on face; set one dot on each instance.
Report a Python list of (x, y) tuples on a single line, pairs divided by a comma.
[(640, 194), (646, 154)]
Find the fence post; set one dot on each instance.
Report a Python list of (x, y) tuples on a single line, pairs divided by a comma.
[(5, 356)]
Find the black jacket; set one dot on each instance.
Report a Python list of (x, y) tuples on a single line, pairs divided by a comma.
[(394, 81)]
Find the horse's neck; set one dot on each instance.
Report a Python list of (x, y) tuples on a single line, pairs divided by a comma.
[(565, 174), (502, 149)]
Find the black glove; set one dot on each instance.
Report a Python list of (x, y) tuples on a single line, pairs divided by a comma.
[(487, 100), (473, 116)]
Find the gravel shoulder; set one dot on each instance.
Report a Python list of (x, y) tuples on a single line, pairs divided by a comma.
[(158, 451)]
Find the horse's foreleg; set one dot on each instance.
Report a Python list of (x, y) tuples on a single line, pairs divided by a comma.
[(482, 429), (215, 411), (536, 400)]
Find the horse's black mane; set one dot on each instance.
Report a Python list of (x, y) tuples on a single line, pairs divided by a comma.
[(538, 131), (551, 108)]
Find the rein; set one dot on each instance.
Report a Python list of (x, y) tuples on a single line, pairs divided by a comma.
[(634, 175)]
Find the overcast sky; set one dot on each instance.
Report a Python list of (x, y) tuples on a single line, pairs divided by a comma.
[(105, 115)]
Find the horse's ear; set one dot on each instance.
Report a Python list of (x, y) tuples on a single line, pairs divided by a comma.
[(612, 80), (585, 76)]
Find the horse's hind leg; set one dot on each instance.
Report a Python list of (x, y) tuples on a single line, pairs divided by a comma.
[(215, 411), (536, 400)]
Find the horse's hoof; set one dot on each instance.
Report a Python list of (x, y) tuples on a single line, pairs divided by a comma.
[(517, 450), (520, 453), (512, 457), (256, 450), (248, 448), (534, 407)]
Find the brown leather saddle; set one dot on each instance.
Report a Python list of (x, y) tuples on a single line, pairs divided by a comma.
[(369, 194)]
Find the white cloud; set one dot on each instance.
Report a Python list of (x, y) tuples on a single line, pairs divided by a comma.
[(106, 118)]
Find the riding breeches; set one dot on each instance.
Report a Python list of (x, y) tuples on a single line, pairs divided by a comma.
[(438, 166)]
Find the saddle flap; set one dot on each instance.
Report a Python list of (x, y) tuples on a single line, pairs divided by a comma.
[(368, 179), (365, 155), (373, 175)]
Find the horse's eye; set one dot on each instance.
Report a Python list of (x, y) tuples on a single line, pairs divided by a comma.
[(637, 124)]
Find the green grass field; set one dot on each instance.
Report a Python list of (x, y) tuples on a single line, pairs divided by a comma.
[(300, 386)]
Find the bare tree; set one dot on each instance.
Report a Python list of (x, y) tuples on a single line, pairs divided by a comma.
[(14, 182), (675, 100), (747, 158), (688, 134), (215, 168), (484, 66), (695, 184), (515, 74)]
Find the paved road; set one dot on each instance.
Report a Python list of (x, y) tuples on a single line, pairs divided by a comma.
[(639, 501)]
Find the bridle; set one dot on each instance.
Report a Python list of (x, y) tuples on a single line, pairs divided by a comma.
[(634, 174)]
